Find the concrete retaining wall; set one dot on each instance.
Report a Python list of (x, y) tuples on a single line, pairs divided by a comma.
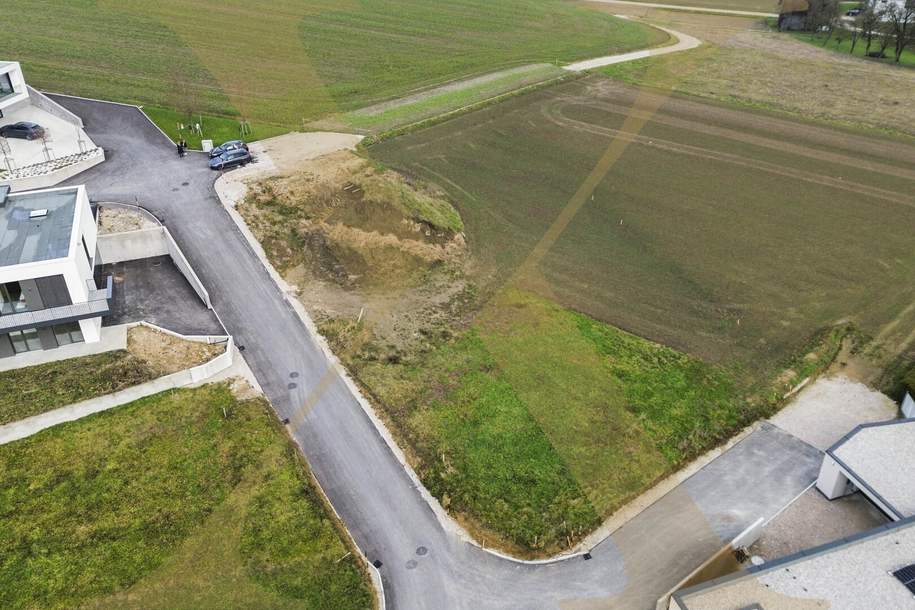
[(42, 101), (185, 268), (145, 243), (57, 176), (132, 245), (186, 378), (908, 406)]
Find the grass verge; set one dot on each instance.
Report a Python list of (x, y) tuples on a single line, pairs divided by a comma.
[(35, 389), (538, 422), (189, 498), (217, 128)]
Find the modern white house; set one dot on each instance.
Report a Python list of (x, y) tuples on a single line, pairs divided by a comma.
[(874, 569), (12, 87), (875, 459), (48, 294), (64, 151)]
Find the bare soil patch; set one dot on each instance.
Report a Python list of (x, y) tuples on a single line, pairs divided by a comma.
[(166, 353), (121, 220), (368, 248)]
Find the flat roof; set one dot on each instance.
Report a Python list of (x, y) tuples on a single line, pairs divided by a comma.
[(881, 457), (848, 574), (24, 239)]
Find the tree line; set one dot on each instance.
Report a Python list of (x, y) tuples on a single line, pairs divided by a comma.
[(878, 25)]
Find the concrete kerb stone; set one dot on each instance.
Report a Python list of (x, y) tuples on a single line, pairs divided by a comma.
[(189, 377), (229, 194), (224, 190)]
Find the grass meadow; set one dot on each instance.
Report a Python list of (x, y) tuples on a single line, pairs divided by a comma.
[(186, 499), (744, 248), (282, 62), (35, 389)]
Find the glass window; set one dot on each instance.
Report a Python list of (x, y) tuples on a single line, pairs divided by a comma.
[(6, 85), (12, 298), (68, 333), (25, 340)]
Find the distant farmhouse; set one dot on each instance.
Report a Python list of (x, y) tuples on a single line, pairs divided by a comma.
[(792, 14)]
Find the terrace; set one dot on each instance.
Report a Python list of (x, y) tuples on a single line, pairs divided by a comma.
[(65, 149)]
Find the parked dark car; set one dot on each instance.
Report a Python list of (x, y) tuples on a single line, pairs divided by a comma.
[(226, 147), (23, 130), (233, 158)]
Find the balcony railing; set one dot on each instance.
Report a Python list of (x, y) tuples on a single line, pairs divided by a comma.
[(96, 305)]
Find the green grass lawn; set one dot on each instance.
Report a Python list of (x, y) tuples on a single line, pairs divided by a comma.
[(384, 117), (841, 43), (216, 128), (538, 422), (28, 391), (189, 499), (280, 62)]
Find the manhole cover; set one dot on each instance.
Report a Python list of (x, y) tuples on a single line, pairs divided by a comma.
[(292, 386), (293, 374), (421, 551), (411, 564), (185, 183), (175, 189)]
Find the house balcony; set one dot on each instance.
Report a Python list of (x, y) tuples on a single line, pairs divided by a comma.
[(96, 305)]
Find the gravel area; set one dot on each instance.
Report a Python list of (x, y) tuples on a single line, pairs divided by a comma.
[(813, 520), (830, 407)]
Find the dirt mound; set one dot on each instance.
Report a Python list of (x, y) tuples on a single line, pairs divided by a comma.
[(364, 245), (346, 221)]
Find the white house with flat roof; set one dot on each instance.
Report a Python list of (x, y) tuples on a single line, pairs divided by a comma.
[(12, 86), (878, 460), (870, 571), (64, 150), (48, 295)]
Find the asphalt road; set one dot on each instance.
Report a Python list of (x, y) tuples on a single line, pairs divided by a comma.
[(423, 564)]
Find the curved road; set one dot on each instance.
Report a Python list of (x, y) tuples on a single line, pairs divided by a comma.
[(423, 564)]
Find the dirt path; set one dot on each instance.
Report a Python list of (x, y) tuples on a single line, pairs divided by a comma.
[(746, 62), (682, 7), (684, 42)]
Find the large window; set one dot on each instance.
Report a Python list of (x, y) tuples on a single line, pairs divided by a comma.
[(6, 85), (68, 333), (25, 340), (12, 298)]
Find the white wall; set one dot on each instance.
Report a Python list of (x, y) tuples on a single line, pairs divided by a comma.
[(832, 482), (15, 73), (908, 406)]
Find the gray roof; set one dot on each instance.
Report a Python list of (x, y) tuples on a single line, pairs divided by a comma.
[(28, 240), (848, 574), (880, 456)]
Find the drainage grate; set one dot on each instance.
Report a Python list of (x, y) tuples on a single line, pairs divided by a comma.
[(586, 556), (285, 421), (377, 563)]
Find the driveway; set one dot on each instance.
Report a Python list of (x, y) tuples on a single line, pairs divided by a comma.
[(423, 564)]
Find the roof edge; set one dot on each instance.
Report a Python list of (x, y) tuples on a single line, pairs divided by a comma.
[(755, 571)]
